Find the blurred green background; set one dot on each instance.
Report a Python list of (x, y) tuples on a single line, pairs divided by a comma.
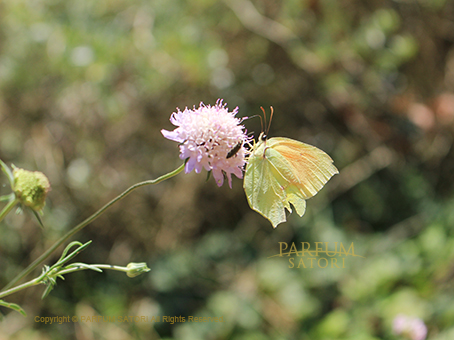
[(87, 85)]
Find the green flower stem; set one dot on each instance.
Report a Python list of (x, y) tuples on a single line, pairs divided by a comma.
[(8, 208), (90, 219), (100, 266), (28, 284), (39, 279)]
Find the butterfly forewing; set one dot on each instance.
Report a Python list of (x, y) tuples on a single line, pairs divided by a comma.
[(308, 167)]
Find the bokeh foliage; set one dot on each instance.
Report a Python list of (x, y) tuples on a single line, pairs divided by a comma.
[(85, 88)]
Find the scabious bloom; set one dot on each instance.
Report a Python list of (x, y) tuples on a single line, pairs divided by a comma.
[(410, 327), (212, 138)]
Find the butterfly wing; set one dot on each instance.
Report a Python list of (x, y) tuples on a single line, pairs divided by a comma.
[(306, 167), (263, 184), (281, 171)]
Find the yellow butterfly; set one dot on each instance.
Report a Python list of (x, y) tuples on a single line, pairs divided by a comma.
[(281, 171)]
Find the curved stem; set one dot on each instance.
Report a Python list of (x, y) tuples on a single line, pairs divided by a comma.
[(8, 208), (39, 279), (28, 284), (90, 219), (100, 266)]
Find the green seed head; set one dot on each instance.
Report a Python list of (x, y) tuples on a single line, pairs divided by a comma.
[(31, 188)]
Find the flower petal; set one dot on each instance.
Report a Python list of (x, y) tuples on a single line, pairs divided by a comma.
[(207, 134)]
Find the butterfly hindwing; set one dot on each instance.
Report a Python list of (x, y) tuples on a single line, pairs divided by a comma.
[(263, 187)]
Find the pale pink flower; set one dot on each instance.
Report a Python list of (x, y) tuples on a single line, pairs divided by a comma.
[(207, 136), (410, 327)]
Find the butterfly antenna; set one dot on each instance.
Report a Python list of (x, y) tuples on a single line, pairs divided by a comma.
[(263, 124), (271, 118)]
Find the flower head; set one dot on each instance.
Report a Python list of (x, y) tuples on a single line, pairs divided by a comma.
[(412, 328), (210, 137), (31, 188)]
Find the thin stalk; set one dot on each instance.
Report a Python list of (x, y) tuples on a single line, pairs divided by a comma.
[(38, 280), (8, 208), (100, 266), (90, 219), (28, 284)]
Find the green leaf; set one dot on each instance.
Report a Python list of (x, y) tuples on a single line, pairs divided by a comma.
[(19, 210), (9, 197), (47, 291), (38, 218), (8, 173), (63, 259), (13, 306)]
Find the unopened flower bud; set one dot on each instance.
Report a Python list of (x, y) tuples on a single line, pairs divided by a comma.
[(135, 269), (31, 188)]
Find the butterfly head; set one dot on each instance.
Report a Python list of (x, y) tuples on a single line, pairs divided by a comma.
[(263, 137)]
